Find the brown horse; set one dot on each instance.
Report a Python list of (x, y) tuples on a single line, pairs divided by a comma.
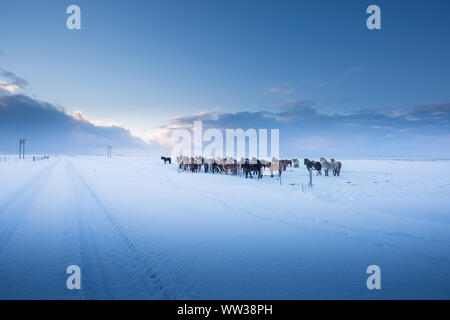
[(233, 167), (285, 163)]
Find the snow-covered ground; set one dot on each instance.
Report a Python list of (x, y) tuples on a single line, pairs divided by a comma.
[(140, 229)]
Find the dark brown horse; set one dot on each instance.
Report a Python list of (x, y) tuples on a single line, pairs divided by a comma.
[(248, 168), (285, 163), (166, 159), (311, 164)]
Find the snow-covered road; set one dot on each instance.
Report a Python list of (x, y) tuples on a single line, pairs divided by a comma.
[(139, 229)]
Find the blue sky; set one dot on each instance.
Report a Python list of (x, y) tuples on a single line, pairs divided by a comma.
[(144, 63)]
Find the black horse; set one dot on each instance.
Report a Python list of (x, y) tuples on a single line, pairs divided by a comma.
[(249, 168), (311, 164), (194, 165), (216, 168), (166, 159)]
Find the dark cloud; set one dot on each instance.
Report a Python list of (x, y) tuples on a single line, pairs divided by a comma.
[(441, 111), (13, 79), (303, 114), (418, 132), (50, 130)]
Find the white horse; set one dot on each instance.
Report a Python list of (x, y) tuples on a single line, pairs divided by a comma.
[(275, 165), (332, 165)]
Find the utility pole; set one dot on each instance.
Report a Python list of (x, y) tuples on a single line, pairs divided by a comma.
[(22, 148), (109, 151)]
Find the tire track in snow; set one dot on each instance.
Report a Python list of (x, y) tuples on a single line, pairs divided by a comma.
[(13, 198), (94, 280), (14, 211), (122, 251)]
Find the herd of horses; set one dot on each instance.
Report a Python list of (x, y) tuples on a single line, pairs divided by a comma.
[(253, 166), (333, 165)]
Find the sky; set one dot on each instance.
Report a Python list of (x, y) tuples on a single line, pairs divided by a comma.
[(310, 68)]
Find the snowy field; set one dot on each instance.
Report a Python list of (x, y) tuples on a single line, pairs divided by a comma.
[(139, 229)]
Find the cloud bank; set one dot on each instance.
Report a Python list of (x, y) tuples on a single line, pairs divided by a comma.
[(421, 131), (50, 129)]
